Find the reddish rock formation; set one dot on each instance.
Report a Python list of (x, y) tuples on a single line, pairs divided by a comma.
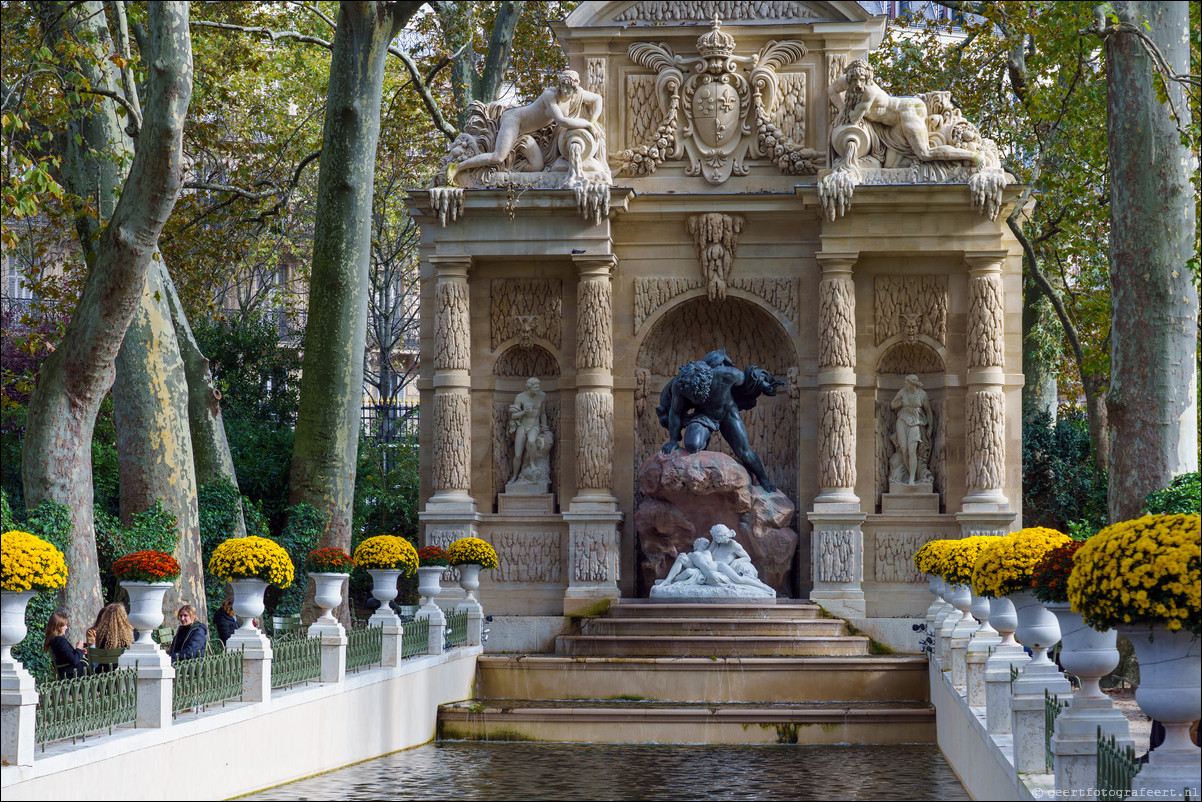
[(686, 494)]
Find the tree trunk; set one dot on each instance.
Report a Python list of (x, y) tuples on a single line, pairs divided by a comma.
[(1040, 391), (56, 459), (1155, 304), (1096, 412), (154, 444), (326, 449)]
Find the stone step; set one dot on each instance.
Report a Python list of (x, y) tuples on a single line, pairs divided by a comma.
[(782, 627), (701, 679), (652, 723), (637, 609), (709, 645)]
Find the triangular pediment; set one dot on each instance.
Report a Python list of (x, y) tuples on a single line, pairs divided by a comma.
[(657, 13)]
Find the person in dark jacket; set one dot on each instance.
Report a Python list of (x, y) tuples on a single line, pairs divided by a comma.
[(191, 637), (224, 620), (69, 661)]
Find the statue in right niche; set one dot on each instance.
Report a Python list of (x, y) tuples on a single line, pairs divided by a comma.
[(911, 435), (705, 397), (532, 439)]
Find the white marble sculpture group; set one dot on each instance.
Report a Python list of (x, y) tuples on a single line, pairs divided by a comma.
[(718, 568)]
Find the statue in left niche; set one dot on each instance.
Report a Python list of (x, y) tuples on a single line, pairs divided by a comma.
[(705, 397), (532, 440), (558, 132)]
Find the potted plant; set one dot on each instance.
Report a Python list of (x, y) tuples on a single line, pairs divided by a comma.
[(385, 558), (469, 555), (1142, 577), (329, 567), (250, 564), (28, 565), (432, 561), (146, 577)]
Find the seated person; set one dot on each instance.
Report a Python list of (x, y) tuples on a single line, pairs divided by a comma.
[(69, 661), (112, 630), (224, 620), (191, 637)]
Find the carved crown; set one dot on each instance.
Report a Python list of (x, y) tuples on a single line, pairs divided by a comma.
[(716, 44)]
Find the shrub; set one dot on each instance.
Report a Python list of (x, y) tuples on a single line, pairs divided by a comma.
[(1061, 485), (1183, 495)]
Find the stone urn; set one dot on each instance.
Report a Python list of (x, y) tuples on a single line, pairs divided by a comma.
[(327, 593), (962, 601), (1085, 652), (1038, 629), (1170, 691), (383, 584), (12, 623), (146, 607), (1004, 619), (429, 585), (469, 580), (248, 600)]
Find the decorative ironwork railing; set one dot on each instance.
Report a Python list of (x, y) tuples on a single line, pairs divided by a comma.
[(295, 660), (415, 638), (207, 680), (1051, 709), (1117, 767), (71, 708), (364, 647), (456, 628)]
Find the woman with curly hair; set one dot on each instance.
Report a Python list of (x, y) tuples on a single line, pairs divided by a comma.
[(112, 629)]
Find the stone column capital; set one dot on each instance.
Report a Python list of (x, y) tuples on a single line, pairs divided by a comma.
[(595, 265), (451, 267), (985, 262), (834, 263)]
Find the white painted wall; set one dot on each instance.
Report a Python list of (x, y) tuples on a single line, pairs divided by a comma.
[(248, 747)]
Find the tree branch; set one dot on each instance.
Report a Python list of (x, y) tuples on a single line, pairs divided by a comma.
[(135, 118), (500, 45), (268, 32), (423, 92)]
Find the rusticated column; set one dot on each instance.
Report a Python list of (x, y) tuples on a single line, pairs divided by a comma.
[(837, 562), (984, 402), (451, 511), (593, 515)]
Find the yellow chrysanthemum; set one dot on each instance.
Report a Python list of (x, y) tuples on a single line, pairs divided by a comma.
[(472, 550), (252, 558), (30, 563), (1143, 570), (386, 551), (1006, 563)]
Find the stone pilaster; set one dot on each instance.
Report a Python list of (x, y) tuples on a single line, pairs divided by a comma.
[(156, 682), (838, 541), (19, 702), (593, 516), (452, 508), (333, 649)]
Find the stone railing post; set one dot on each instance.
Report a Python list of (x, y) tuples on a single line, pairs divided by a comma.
[(593, 515), (333, 649), (19, 703), (450, 512), (838, 541), (156, 682), (391, 647), (438, 628), (256, 664), (475, 627)]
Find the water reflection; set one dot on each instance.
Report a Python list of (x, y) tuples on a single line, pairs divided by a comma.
[(521, 771)]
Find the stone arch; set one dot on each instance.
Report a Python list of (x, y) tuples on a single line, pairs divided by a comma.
[(750, 335), (906, 356), (526, 361)]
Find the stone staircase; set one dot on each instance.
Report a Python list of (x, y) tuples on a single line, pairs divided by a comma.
[(739, 673)]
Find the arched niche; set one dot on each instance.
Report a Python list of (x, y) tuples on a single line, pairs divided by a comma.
[(526, 361), (897, 361), (511, 370), (751, 336)]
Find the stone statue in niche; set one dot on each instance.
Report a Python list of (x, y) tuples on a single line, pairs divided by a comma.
[(721, 565), (912, 435), (532, 441), (558, 132), (705, 397), (923, 139)]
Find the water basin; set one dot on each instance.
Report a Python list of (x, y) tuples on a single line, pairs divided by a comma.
[(521, 771)]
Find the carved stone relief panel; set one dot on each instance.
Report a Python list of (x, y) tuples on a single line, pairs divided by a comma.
[(895, 555), (909, 306), (837, 438), (836, 65), (985, 451), (652, 292), (452, 338), (526, 362), (531, 307), (527, 556), (716, 236), (594, 79), (593, 559), (906, 358), (594, 440), (502, 442), (790, 116), (452, 441), (594, 324), (836, 323), (986, 324), (837, 554), (668, 11)]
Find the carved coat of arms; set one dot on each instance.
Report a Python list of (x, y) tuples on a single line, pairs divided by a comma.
[(726, 114)]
